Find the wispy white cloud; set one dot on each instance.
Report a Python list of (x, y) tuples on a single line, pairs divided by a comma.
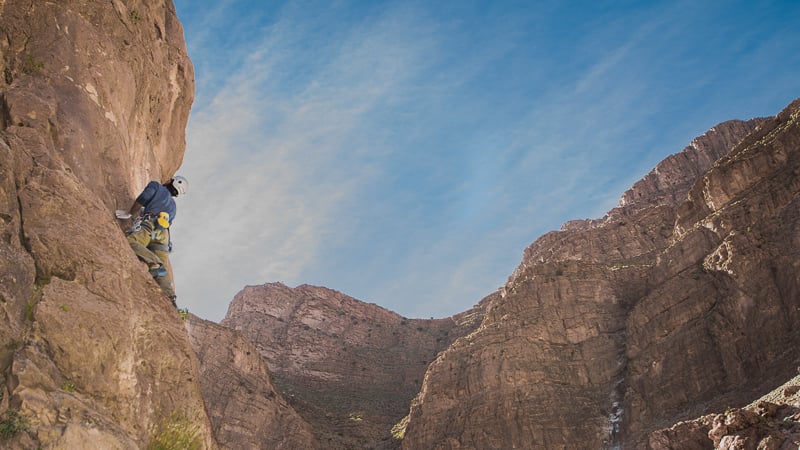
[(273, 162), (406, 153)]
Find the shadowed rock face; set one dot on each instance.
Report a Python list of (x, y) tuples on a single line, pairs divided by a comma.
[(246, 411), (94, 98), (348, 367), (682, 300), (771, 422)]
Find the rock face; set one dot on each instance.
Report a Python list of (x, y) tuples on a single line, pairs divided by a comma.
[(94, 98), (681, 301), (672, 178), (245, 410), (770, 423), (348, 367)]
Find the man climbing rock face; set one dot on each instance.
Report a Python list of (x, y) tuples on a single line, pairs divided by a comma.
[(154, 210)]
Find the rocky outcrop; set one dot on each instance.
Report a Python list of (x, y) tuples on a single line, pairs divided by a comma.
[(681, 300), (94, 98), (348, 367), (670, 181), (770, 423), (246, 411)]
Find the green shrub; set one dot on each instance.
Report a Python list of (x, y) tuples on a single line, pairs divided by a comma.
[(31, 66), (29, 311), (176, 433), (13, 423)]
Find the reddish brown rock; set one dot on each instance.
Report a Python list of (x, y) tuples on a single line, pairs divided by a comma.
[(246, 411), (94, 98), (769, 423), (681, 300), (672, 178), (348, 367)]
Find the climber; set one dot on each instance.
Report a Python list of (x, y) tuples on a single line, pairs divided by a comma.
[(154, 210)]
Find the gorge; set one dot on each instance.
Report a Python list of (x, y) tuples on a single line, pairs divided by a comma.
[(668, 323)]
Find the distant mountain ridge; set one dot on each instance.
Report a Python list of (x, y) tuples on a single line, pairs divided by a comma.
[(348, 367)]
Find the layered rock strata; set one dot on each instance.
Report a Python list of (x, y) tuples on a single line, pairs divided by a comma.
[(681, 300), (246, 411), (94, 98), (349, 368)]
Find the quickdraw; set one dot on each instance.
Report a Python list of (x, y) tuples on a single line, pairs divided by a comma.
[(135, 226)]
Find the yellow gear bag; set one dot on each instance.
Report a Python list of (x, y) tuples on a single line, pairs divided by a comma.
[(163, 219)]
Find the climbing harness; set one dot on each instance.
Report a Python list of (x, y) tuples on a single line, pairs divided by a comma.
[(152, 222), (135, 226)]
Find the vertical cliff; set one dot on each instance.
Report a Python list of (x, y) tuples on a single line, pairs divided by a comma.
[(245, 409), (682, 299), (94, 98)]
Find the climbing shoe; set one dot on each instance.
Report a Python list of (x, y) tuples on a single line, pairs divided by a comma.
[(158, 271)]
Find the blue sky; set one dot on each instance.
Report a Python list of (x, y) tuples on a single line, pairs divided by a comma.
[(406, 152)]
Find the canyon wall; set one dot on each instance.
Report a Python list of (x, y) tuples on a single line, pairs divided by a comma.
[(245, 410), (681, 301), (349, 368), (94, 99)]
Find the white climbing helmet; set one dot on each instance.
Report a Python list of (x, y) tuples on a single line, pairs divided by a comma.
[(180, 184)]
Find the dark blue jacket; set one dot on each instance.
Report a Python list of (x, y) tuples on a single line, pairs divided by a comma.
[(156, 198)]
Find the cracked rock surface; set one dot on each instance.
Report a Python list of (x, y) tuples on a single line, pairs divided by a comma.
[(683, 300), (94, 98)]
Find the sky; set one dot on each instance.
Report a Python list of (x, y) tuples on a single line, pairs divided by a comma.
[(405, 153)]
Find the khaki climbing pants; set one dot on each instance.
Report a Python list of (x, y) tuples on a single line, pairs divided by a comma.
[(151, 245)]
